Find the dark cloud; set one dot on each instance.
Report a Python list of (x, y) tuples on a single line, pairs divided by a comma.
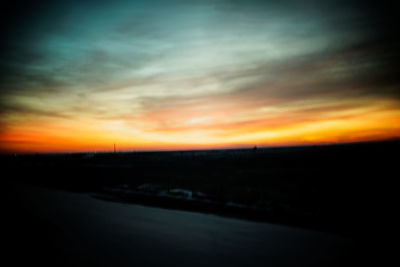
[(368, 68), (7, 108)]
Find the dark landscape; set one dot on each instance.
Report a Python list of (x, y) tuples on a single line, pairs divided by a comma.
[(336, 190)]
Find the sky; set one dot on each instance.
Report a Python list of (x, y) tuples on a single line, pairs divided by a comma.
[(81, 76)]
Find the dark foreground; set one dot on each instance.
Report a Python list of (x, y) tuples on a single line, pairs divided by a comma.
[(68, 229), (328, 206)]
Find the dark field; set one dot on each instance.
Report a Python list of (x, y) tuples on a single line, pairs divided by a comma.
[(343, 189)]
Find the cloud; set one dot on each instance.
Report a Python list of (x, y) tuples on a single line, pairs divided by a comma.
[(223, 67)]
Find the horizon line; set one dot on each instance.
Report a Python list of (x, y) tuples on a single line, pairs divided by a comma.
[(247, 147)]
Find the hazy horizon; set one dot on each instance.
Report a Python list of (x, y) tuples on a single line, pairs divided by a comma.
[(198, 148)]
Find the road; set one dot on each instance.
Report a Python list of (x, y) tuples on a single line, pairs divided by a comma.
[(52, 227)]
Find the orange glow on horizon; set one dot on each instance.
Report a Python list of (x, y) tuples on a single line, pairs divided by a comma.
[(202, 132)]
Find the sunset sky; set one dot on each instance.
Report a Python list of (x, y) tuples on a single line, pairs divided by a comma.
[(82, 75)]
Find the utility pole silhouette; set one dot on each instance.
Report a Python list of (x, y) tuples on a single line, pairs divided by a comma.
[(114, 148)]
